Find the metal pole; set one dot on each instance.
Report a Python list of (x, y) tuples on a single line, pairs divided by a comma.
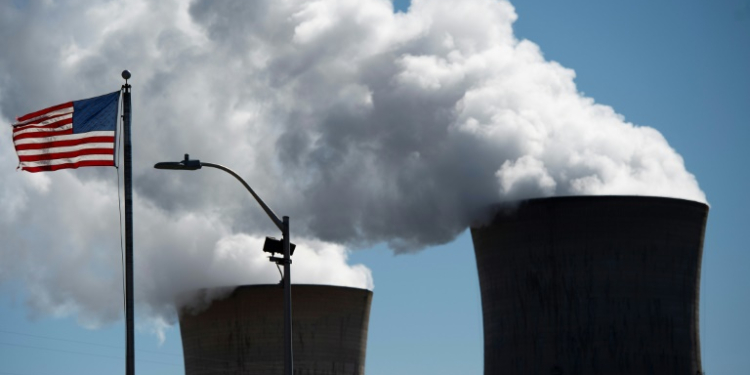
[(128, 174), (288, 355)]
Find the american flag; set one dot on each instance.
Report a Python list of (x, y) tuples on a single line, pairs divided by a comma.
[(70, 135)]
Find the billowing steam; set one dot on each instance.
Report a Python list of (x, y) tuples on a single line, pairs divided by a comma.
[(362, 125)]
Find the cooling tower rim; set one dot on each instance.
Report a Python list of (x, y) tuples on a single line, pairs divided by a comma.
[(303, 285), (209, 295), (601, 197), (249, 286), (503, 208)]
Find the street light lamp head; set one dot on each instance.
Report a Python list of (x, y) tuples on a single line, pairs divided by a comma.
[(276, 246), (185, 165)]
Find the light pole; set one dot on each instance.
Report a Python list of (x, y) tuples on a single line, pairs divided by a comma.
[(271, 246)]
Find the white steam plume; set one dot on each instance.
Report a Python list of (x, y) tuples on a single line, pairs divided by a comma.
[(362, 125), (67, 257)]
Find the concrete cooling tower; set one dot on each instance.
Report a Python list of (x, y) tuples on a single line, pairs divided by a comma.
[(592, 285), (243, 334)]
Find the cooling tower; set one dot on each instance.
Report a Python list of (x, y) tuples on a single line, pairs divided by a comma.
[(592, 285), (243, 334)]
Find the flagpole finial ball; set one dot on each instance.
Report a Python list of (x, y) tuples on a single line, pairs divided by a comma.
[(126, 74)]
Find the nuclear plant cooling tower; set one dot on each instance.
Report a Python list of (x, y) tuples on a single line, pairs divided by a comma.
[(592, 285), (243, 334)]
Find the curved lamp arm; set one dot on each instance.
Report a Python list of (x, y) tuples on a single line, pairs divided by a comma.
[(191, 165), (268, 210)]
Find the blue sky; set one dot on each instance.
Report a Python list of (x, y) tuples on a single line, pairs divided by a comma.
[(679, 67)]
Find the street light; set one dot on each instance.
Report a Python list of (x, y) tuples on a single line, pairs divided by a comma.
[(271, 245)]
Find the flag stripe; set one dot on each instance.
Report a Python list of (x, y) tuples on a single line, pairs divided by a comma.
[(74, 139), (72, 160), (74, 142), (69, 137), (84, 146), (60, 122), (66, 155), (45, 112), (46, 122), (44, 132), (84, 163)]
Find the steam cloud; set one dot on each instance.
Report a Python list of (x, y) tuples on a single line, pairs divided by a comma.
[(362, 125)]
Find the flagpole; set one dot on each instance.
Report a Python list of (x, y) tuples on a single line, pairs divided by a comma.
[(128, 174)]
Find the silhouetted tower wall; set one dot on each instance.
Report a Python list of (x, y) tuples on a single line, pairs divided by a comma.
[(592, 285), (243, 334)]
